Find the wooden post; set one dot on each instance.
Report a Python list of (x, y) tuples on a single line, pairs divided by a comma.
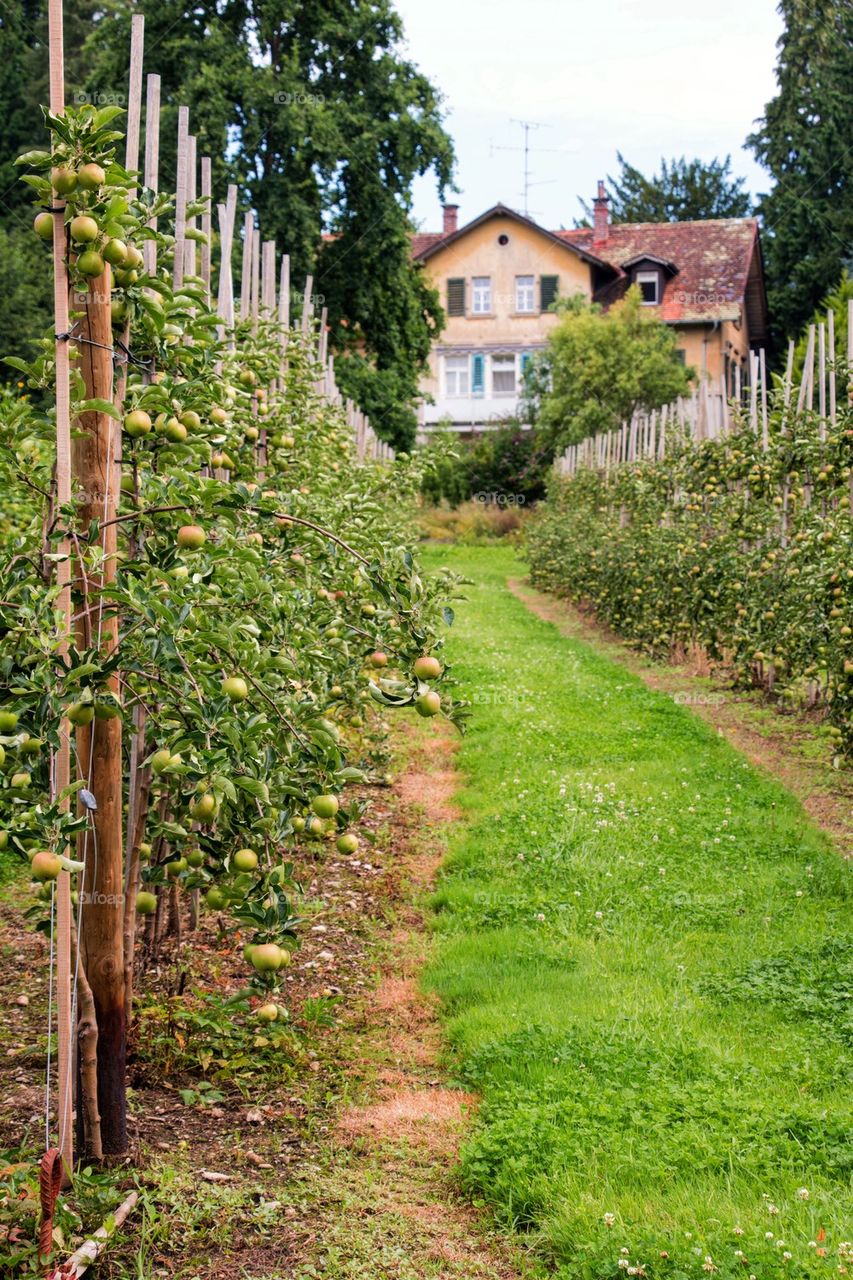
[(307, 305), (152, 161), (181, 195), (190, 179), (762, 365), (94, 449), (134, 103), (830, 336), (246, 276), (206, 220), (61, 762), (821, 389)]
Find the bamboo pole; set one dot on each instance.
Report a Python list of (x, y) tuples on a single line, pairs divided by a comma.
[(61, 762)]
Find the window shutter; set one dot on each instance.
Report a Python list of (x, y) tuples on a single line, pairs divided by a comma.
[(525, 361), (456, 297), (478, 374), (548, 286)]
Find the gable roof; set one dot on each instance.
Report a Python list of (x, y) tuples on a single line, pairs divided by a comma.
[(713, 268), (718, 267), (425, 244)]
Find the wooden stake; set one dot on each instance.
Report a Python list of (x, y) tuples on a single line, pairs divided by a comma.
[(152, 162), (189, 242), (134, 103), (762, 365), (246, 277), (307, 305), (61, 763), (821, 342), (206, 220), (830, 333), (181, 195)]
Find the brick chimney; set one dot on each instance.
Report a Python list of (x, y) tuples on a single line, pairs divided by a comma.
[(451, 218), (601, 216)]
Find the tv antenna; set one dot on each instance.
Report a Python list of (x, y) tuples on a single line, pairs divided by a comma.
[(528, 126)]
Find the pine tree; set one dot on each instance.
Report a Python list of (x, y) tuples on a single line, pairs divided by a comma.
[(683, 191)]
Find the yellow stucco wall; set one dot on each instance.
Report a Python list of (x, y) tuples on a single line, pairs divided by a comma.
[(478, 253)]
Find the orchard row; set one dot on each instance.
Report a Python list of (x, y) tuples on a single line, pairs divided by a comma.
[(736, 549)]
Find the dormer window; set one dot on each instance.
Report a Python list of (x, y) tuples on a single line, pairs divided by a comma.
[(649, 285)]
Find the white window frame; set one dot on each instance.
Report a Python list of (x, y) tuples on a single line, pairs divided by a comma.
[(525, 295), (649, 277), (481, 295), (457, 376), (504, 357)]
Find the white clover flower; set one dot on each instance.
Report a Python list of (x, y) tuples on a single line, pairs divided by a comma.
[(609, 1219), (540, 916), (624, 1252), (768, 1235), (787, 1256), (803, 1193), (738, 1230), (772, 1209), (622, 1262)]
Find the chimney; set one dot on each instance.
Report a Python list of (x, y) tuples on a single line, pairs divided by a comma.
[(451, 217), (601, 216)]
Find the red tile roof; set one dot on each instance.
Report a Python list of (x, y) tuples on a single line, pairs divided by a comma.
[(713, 260)]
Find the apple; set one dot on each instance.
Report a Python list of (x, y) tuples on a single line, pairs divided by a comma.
[(235, 689), (347, 843), (146, 903), (215, 898), (2, 756), (43, 226), (251, 434), (8, 721), (91, 176), (195, 858), (325, 806), (191, 537), (45, 866), (428, 704), (297, 823), (115, 252), (267, 957), (84, 230), (267, 1013), (144, 852), (218, 416), (30, 747), (203, 808), (175, 431), (245, 860), (64, 181), (137, 423), (160, 760), (427, 667), (191, 420), (91, 264), (378, 659), (175, 867)]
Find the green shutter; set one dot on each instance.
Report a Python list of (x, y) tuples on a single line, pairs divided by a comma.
[(478, 375), (548, 287), (456, 297)]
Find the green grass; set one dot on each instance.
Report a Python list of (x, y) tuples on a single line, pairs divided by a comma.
[(645, 956)]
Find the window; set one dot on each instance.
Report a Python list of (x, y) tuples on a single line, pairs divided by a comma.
[(503, 375), (525, 293), (456, 375), (548, 287), (478, 375), (526, 357), (681, 357), (481, 290), (456, 297), (648, 282)]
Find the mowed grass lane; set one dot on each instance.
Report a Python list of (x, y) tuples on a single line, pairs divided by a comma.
[(644, 952)]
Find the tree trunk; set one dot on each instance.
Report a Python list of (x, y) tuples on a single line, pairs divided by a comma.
[(87, 1048), (95, 450)]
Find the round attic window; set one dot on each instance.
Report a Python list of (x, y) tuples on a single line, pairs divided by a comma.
[(503, 238)]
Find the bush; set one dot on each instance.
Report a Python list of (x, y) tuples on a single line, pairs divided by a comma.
[(505, 467)]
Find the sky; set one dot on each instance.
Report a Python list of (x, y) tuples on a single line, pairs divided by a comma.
[(649, 78)]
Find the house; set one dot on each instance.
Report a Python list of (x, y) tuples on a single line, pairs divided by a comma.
[(499, 275)]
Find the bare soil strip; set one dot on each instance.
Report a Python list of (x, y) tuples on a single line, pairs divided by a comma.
[(343, 1166), (783, 743)]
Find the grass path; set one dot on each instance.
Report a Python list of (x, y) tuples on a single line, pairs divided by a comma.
[(644, 953)]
